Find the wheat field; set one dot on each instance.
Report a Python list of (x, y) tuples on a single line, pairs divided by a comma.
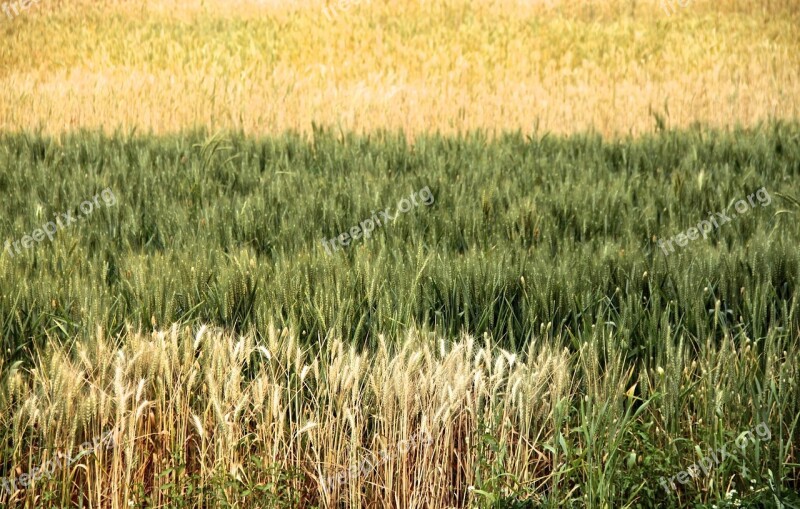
[(553, 328), (528, 346)]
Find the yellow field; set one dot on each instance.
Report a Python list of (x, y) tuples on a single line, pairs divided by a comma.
[(450, 66)]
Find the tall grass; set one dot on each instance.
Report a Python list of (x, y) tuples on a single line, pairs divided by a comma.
[(522, 232)]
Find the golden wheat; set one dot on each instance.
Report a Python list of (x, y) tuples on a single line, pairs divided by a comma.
[(352, 428), (447, 66)]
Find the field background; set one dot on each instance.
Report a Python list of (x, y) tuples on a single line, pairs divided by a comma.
[(448, 66), (526, 322)]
